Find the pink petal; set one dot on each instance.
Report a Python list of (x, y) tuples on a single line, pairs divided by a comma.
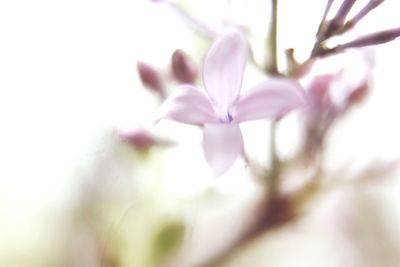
[(223, 69), (188, 104), (269, 99), (318, 90), (319, 102), (222, 144)]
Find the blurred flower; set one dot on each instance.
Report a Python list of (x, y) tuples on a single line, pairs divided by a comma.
[(183, 67), (320, 111), (332, 92), (151, 78), (222, 108)]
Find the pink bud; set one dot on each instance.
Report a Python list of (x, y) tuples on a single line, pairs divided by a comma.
[(151, 78), (371, 39), (357, 95), (183, 67), (140, 139), (344, 11), (372, 4), (337, 22)]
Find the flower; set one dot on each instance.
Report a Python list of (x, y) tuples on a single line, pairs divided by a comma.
[(220, 108), (333, 86), (336, 83)]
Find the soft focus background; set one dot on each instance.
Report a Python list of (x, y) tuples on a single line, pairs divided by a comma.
[(71, 194)]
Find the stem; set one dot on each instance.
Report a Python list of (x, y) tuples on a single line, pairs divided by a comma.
[(272, 67), (274, 173), (323, 23)]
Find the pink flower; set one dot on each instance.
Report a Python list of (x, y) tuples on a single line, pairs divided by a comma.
[(220, 108), (335, 84)]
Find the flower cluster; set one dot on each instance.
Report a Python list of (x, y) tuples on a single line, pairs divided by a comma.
[(219, 106)]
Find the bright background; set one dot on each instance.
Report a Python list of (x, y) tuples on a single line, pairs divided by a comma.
[(68, 77)]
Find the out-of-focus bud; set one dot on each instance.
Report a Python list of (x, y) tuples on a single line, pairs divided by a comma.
[(151, 78), (371, 39), (357, 95), (183, 67), (344, 11), (140, 139), (337, 22)]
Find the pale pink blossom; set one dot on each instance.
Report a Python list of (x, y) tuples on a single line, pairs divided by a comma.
[(220, 107), (336, 83)]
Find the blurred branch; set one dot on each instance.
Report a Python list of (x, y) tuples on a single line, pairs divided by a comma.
[(269, 215)]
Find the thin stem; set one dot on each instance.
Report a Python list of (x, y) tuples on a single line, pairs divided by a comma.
[(372, 4), (322, 23), (274, 173), (272, 67)]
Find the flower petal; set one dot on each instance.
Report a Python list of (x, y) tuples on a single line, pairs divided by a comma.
[(188, 104), (269, 99), (223, 69), (222, 144)]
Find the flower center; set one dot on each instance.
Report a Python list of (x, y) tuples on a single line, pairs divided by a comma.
[(227, 118)]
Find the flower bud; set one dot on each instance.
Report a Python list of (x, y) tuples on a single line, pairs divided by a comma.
[(344, 11), (371, 39), (357, 95), (338, 21), (372, 4), (183, 67), (151, 78), (140, 139)]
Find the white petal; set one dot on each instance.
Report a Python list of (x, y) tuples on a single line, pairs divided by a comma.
[(223, 143), (188, 104), (269, 99), (223, 69)]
